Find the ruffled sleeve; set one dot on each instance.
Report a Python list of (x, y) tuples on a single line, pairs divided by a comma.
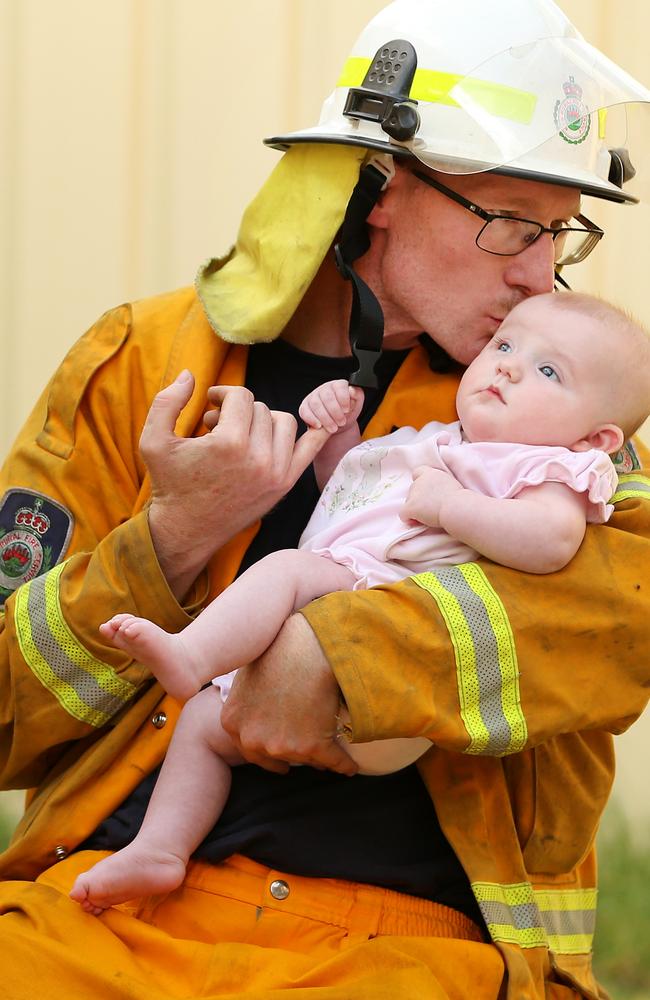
[(504, 470)]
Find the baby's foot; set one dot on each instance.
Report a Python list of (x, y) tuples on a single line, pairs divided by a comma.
[(163, 652), (133, 871)]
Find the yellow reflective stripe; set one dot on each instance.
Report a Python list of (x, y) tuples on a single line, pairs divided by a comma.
[(487, 671), (507, 655), (434, 87), (566, 899), (353, 72), (632, 485), (602, 123), (560, 919), (86, 688), (495, 98), (574, 944), (461, 637)]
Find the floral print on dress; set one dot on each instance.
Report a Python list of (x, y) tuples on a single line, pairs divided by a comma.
[(358, 482)]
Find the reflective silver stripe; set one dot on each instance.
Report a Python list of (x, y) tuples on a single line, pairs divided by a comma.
[(87, 688), (631, 485), (563, 920), (486, 660), (562, 923)]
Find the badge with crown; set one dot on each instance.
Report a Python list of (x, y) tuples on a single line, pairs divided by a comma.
[(572, 118), (34, 534)]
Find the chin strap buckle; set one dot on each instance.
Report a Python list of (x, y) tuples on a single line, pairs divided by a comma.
[(365, 373)]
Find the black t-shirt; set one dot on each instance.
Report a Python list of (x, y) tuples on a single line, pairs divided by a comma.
[(378, 830)]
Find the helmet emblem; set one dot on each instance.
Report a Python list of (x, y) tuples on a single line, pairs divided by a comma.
[(571, 114)]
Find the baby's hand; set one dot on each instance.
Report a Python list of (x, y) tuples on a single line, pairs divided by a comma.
[(333, 405), (429, 489)]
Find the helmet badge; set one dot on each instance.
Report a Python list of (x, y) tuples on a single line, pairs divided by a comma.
[(571, 114)]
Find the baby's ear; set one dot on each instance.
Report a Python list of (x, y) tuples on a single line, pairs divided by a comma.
[(608, 438)]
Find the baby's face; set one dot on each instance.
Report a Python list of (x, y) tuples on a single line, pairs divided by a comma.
[(542, 379)]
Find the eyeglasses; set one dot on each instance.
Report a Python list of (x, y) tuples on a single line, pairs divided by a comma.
[(507, 236)]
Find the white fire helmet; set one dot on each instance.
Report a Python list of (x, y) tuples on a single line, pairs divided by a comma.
[(504, 85)]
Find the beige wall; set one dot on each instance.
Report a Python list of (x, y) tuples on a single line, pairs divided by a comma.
[(130, 136)]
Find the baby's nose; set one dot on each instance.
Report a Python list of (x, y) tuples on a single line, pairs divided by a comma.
[(508, 366)]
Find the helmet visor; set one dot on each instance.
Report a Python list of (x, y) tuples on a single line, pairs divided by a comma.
[(554, 98)]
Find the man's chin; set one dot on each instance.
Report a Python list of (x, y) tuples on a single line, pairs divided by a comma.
[(469, 352)]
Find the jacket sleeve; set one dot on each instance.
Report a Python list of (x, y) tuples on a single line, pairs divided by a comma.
[(487, 660), (77, 458)]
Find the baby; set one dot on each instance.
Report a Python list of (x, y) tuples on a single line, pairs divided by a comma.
[(559, 388)]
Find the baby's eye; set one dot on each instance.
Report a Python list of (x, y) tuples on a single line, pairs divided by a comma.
[(503, 346), (548, 371)]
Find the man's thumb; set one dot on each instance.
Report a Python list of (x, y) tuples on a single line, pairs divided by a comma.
[(166, 407)]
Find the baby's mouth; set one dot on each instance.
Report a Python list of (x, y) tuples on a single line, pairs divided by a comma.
[(495, 391)]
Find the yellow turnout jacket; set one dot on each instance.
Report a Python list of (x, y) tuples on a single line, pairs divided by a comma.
[(519, 680)]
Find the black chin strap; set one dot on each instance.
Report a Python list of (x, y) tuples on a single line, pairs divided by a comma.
[(366, 318)]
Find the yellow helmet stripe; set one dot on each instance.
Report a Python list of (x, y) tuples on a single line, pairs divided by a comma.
[(434, 87)]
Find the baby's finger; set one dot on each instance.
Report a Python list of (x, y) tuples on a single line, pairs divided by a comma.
[(306, 413), (342, 392), (336, 398), (328, 411), (315, 413)]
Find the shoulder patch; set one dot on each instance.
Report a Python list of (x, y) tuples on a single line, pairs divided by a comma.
[(626, 460), (34, 535)]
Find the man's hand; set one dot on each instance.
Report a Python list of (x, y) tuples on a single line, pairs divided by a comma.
[(334, 405), (206, 489), (430, 490), (282, 709)]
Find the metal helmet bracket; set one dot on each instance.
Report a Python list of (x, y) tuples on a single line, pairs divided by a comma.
[(383, 96)]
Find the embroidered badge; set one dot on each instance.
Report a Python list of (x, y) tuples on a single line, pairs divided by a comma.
[(34, 535), (571, 115), (626, 460)]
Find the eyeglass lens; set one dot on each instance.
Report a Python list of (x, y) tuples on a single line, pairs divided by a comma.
[(510, 236)]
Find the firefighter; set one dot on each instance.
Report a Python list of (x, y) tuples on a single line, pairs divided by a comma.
[(472, 874)]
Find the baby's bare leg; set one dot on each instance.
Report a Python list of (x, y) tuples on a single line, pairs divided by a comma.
[(237, 627), (189, 796)]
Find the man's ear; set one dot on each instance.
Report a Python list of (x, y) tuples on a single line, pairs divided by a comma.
[(608, 438), (380, 214)]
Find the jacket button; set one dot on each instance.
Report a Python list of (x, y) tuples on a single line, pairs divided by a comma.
[(279, 889), (60, 852), (159, 720)]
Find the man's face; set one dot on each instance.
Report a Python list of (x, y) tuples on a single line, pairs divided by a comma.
[(431, 275), (543, 379)]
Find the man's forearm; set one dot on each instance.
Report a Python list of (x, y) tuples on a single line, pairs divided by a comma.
[(180, 561)]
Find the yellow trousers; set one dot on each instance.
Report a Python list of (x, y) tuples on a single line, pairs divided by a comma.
[(239, 930)]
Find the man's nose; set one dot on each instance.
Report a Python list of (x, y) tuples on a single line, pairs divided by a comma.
[(532, 272)]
